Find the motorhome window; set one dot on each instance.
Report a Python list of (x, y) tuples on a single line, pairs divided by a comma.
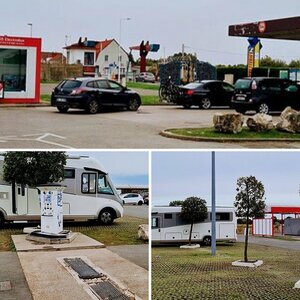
[(168, 216), (155, 222), (224, 216), (69, 173), (103, 185), (88, 183)]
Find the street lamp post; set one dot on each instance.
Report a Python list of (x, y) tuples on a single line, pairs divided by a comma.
[(30, 24), (213, 205), (119, 55)]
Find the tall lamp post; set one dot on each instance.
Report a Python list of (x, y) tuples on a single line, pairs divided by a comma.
[(213, 205), (119, 55), (30, 25)]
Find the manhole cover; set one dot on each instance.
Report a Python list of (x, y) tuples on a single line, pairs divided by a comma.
[(105, 290), (83, 269)]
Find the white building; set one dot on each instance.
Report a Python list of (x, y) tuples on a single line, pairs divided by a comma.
[(99, 57)]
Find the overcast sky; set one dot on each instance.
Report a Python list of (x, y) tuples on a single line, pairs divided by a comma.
[(178, 175), (202, 25), (123, 167)]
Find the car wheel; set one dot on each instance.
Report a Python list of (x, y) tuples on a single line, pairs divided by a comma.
[(205, 103), (123, 202), (62, 108), (106, 217), (263, 108), (186, 106), (93, 106), (140, 202), (207, 241), (134, 104)]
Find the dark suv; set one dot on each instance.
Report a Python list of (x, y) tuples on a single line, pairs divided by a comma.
[(265, 94), (93, 95)]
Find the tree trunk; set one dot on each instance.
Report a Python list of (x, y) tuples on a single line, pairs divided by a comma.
[(190, 238), (246, 240)]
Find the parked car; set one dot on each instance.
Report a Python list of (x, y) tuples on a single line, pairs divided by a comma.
[(93, 95), (205, 93), (145, 77), (264, 94), (132, 198), (146, 199)]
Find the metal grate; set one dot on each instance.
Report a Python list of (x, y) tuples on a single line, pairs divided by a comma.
[(83, 269), (106, 291)]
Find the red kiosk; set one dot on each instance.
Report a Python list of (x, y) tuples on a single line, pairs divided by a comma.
[(20, 67)]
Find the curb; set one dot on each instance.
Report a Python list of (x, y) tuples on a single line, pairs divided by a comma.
[(41, 104), (167, 134)]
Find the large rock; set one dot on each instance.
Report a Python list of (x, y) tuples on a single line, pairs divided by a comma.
[(289, 121), (228, 123), (143, 232), (260, 123)]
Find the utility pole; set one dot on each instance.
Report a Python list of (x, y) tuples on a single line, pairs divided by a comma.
[(213, 205)]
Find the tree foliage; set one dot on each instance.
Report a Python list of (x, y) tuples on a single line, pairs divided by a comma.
[(34, 168), (193, 209), (176, 203)]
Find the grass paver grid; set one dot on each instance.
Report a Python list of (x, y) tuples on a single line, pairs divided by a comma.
[(122, 232), (179, 274)]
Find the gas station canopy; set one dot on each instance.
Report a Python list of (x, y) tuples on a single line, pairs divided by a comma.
[(285, 29)]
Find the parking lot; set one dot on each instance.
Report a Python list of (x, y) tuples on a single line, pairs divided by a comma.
[(45, 127)]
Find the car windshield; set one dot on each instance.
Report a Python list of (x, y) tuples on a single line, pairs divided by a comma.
[(71, 84), (242, 84), (194, 85)]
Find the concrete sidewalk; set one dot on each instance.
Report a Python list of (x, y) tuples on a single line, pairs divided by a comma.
[(49, 280)]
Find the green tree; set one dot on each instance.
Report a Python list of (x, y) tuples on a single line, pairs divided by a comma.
[(176, 203), (34, 168), (249, 202), (295, 63), (267, 61), (193, 210)]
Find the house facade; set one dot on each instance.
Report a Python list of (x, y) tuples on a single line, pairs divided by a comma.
[(99, 58)]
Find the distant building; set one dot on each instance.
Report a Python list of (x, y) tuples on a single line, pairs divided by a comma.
[(129, 188), (53, 58), (98, 57)]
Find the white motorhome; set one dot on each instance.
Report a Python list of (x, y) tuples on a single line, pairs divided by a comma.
[(89, 195), (168, 226)]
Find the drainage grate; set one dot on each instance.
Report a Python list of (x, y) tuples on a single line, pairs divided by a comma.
[(105, 290), (83, 269)]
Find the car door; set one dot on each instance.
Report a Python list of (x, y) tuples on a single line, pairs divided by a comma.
[(118, 94), (274, 97), (104, 92), (226, 93), (292, 95)]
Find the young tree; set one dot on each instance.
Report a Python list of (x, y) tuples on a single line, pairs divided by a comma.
[(249, 202), (34, 168), (193, 209)]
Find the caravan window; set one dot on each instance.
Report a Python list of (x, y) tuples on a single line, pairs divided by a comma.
[(88, 183), (69, 173), (155, 222), (103, 185), (223, 216)]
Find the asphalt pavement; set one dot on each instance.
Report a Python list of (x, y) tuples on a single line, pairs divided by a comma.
[(138, 211)]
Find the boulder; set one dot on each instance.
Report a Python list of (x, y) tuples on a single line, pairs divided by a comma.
[(260, 123), (143, 232), (228, 123), (289, 121)]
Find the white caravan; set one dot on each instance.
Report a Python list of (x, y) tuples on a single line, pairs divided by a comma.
[(89, 195), (168, 226)]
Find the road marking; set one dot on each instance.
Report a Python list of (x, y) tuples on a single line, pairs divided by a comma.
[(37, 137)]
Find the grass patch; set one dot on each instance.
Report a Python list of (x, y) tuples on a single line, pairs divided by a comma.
[(122, 232), (195, 274), (245, 133), (143, 86), (46, 98), (150, 100)]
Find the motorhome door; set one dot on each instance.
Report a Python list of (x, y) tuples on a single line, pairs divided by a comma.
[(21, 199), (156, 228)]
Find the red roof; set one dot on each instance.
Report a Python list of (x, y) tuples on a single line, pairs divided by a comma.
[(283, 209)]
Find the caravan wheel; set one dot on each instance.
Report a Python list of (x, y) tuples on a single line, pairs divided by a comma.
[(207, 241), (2, 220), (106, 217)]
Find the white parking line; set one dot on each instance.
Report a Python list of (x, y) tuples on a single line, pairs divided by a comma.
[(39, 137)]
